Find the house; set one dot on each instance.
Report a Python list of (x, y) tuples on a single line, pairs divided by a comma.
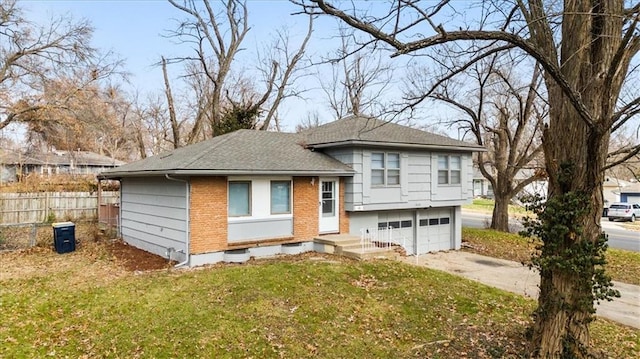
[(14, 164), (481, 186), (631, 193), (266, 193)]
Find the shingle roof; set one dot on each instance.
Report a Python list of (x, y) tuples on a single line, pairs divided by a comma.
[(239, 152), (353, 130), (60, 158)]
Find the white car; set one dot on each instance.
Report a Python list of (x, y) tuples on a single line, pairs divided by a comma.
[(624, 211)]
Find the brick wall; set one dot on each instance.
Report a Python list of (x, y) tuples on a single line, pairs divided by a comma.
[(305, 208), (208, 214), (344, 216)]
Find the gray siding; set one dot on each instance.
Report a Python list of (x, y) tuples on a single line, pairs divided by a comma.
[(418, 181), (154, 215), (260, 229), (453, 194)]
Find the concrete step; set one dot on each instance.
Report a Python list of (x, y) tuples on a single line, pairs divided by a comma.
[(337, 239), (373, 253)]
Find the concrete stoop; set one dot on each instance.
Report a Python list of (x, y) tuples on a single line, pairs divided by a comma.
[(349, 246)]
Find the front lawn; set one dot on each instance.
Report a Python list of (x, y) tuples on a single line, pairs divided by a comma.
[(85, 304), (486, 206), (623, 266)]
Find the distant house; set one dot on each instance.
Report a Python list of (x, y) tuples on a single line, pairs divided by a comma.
[(14, 164), (481, 186), (262, 192), (611, 189), (630, 194)]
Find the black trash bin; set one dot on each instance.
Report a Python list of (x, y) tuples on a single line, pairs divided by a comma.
[(64, 237)]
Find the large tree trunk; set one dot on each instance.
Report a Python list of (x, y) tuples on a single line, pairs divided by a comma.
[(500, 216), (575, 153)]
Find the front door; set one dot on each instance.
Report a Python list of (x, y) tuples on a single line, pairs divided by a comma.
[(329, 205)]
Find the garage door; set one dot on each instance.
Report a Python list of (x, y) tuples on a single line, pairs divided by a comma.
[(633, 198), (402, 226), (435, 230)]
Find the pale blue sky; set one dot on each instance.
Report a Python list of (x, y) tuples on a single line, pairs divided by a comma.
[(134, 30)]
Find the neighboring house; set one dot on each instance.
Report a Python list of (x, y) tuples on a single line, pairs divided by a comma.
[(611, 188), (15, 164), (481, 186), (269, 192), (631, 193)]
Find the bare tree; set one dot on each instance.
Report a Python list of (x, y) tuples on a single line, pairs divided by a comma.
[(175, 126), (216, 37), (32, 56), (152, 128), (358, 80), (586, 62), (286, 66), (95, 119), (500, 113)]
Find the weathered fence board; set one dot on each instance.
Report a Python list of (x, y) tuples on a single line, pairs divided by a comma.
[(24, 208)]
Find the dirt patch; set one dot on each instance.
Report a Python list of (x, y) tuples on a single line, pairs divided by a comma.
[(134, 259)]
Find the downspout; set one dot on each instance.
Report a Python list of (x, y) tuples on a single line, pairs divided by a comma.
[(187, 196)]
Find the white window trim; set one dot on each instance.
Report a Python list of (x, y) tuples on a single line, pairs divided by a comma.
[(385, 169), (449, 170)]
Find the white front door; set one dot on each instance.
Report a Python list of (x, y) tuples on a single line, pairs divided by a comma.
[(329, 205)]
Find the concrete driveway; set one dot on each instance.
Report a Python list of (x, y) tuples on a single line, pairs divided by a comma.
[(514, 277)]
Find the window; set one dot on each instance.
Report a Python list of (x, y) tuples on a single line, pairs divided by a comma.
[(394, 224), (239, 198), (280, 197), (449, 169), (385, 169), (406, 224)]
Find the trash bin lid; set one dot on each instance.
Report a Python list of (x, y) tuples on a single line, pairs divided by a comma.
[(62, 224)]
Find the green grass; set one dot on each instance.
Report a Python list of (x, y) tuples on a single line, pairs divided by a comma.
[(486, 206), (623, 266), (280, 308)]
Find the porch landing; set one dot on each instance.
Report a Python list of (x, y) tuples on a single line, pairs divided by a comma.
[(351, 246)]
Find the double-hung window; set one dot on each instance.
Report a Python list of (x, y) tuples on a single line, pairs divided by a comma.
[(239, 198), (449, 170), (280, 197), (385, 169)]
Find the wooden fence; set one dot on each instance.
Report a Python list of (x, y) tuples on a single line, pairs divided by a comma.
[(25, 208)]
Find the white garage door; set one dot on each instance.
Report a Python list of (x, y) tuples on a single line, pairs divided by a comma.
[(402, 226), (633, 198), (435, 230)]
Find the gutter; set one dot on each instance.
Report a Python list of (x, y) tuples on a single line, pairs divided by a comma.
[(187, 172), (463, 148), (187, 232)]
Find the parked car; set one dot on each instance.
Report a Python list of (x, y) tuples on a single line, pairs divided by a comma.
[(624, 211)]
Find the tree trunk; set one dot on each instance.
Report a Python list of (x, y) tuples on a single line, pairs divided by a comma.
[(575, 154), (500, 216), (565, 304)]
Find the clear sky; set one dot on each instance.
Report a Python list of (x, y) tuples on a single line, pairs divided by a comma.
[(134, 30)]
